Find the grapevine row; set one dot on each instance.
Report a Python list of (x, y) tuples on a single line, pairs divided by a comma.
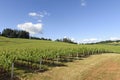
[(34, 58)]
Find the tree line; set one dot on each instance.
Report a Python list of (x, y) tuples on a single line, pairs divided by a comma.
[(13, 33), (10, 33), (67, 40), (42, 38), (108, 41)]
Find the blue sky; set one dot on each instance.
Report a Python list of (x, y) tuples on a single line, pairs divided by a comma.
[(82, 20)]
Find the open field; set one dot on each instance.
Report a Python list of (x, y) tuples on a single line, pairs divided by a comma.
[(23, 58), (60, 40), (95, 67), (12, 44)]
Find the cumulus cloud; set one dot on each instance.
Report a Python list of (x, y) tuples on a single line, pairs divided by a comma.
[(38, 15), (72, 39), (39, 21), (91, 40), (83, 3), (115, 38), (32, 14), (65, 37), (30, 27)]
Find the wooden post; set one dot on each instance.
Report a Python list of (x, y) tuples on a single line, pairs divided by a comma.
[(40, 63), (83, 53), (57, 57), (77, 56), (92, 52), (12, 71)]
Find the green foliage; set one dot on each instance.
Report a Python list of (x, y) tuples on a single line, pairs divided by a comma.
[(67, 40), (29, 53), (15, 33), (36, 38)]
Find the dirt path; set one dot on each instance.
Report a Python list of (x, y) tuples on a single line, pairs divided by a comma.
[(95, 67), (108, 70)]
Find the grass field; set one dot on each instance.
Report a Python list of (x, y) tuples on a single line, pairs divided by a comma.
[(8, 43), (95, 67), (62, 61)]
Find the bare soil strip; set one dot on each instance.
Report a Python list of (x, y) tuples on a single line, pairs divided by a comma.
[(95, 67)]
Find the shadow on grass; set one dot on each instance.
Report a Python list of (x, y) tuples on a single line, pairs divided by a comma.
[(24, 68), (16, 78), (55, 64), (71, 59), (8, 77), (32, 68), (85, 56)]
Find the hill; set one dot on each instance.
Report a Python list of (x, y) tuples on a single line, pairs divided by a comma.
[(18, 43), (13, 43), (19, 56), (110, 42)]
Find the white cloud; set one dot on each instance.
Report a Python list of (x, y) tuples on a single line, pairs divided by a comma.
[(39, 21), (65, 37), (38, 14), (34, 28), (91, 40), (31, 28), (115, 38), (83, 3), (94, 40), (72, 39), (32, 14)]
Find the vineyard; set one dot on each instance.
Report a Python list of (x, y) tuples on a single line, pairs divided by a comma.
[(38, 56)]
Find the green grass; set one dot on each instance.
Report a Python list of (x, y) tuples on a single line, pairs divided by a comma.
[(29, 52), (16, 43)]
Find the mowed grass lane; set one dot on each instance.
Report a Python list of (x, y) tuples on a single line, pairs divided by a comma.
[(95, 67)]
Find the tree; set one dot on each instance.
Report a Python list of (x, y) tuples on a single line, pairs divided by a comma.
[(7, 32), (67, 40), (23, 34), (15, 33), (0, 34)]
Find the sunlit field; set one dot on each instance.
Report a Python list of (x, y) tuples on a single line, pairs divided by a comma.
[(24, 56)]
